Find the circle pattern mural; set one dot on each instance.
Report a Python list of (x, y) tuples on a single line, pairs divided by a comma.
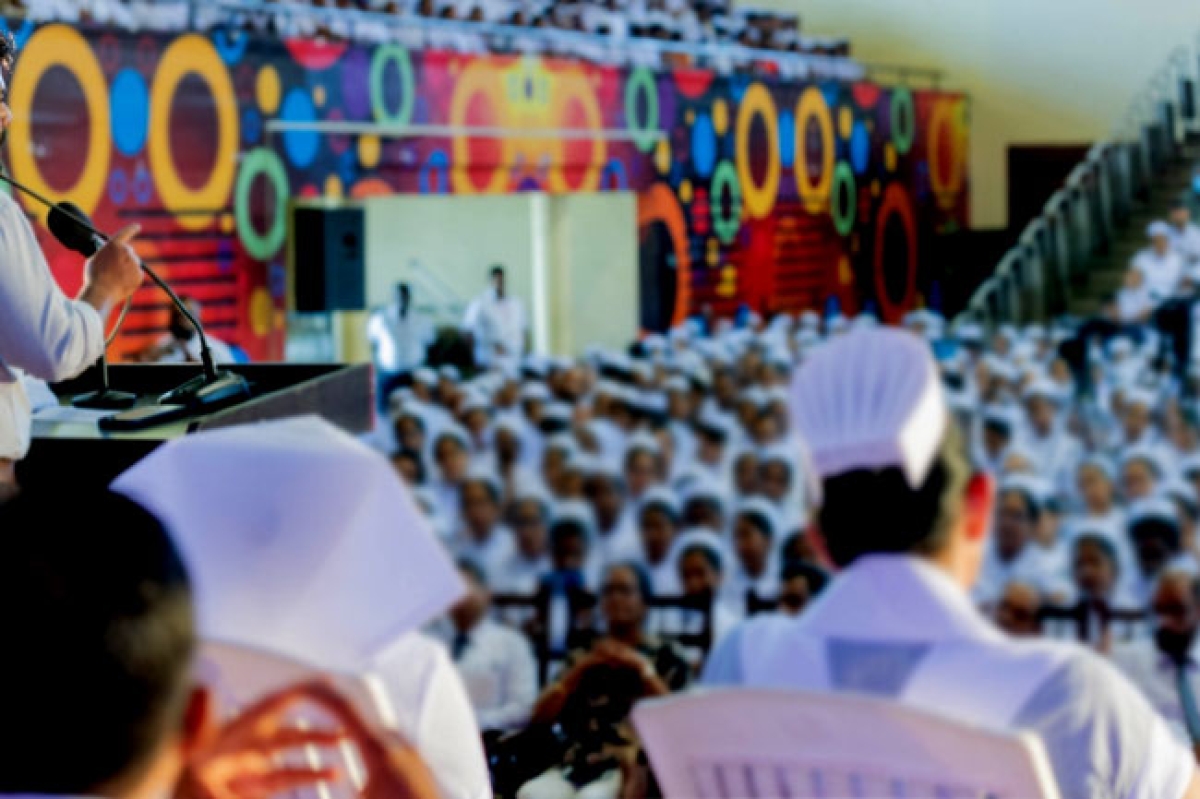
[(904, 120), (726, 223), (386, 58), (759, 196), (704, 146), (641, 88), (816, 149), (50, 47), (843, 204), (186, 56), (947, 151), (265, 163), (301, 146), (130, 99), (895, 256)]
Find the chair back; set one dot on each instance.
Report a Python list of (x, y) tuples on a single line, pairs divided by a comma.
[(766, 744)]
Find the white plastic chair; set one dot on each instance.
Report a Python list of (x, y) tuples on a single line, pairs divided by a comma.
[(762, 744)]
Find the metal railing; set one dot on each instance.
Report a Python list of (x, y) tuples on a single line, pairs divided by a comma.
[(1035, 278)]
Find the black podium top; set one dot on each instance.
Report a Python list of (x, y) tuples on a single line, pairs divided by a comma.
[(69, 448)]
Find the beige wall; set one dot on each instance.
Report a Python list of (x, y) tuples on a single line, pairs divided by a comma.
[(1039, 71)]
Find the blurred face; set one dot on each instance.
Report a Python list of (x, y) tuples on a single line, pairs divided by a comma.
[(570, 551), (703, 512), (1095, 572), (533, 410), (1161, 244), (725, 388), (452, 459), (698, 575), (794, 595), (995, 440), (641, 472), (1175, 609), (1153, 551), (1137, 481), (480, 509), (1041, 415), (766, 429), (529, 529), (410, 433), (473, 606), (776, 480), (679, 406), (658, 533), (1180, 217), (1017, 613), (607, 501), (745, 475), (621, 600), (408, 470), (753, 546), (1014, 525), (477, 423), (1136, 421), (1096, 490), (711, 450)]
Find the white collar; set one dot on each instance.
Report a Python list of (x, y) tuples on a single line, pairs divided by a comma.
[(896, 598)]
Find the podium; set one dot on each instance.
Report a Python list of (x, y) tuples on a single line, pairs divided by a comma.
[(70, 449)]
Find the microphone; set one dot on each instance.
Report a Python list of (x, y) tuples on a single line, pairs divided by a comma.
[(72, 227)]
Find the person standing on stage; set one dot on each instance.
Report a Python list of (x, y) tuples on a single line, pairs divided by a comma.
[(44, 333), (497, 322)]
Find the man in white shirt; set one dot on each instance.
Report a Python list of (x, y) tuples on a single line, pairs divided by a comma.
[(1159, 263), (400, 335), (1167, 667), (898, 621), (496, 320), (1185, 235), (496, 663), (42, 331)]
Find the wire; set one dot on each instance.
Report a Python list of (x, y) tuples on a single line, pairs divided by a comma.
[(120, 321)]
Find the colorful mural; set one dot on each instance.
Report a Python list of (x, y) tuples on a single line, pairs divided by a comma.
[(773, 195)]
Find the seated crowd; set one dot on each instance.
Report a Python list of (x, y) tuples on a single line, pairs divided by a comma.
[(645, 501)]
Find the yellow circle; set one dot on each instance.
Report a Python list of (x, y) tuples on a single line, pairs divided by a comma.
[(889, 157), (686, 194), (480, 78), (720, 116), (814, 194), (947, 121), (51, 46), (759, 200), (227, 223), (193, 55), (369, 151), (333, 188), (845, 122), (319, 96), (662, 156), (262, 311), (268, 90)]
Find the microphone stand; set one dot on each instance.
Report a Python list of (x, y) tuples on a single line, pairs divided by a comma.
[(105, 399), (210, 389)]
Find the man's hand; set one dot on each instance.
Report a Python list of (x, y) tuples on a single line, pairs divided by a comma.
[(112, 274)]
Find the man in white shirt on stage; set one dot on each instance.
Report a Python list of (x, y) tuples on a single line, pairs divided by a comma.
[(898, 621), (1185, 234), (400, 335), (497, 322), (43, 332), (1159, 263)]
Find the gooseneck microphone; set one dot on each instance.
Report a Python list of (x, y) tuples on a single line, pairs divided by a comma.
[(72, 227)]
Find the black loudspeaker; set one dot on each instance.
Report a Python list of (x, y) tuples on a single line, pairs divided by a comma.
[(329, 259)]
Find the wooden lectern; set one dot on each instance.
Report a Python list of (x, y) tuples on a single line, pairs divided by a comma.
[(70, 449)]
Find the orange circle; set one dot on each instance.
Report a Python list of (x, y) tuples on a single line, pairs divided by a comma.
[(658, 204)]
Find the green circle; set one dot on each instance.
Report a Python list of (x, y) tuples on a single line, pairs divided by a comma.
[(384, 55), (843, 176), (641, 81), (726, 227), (261, 246), (904, 119)]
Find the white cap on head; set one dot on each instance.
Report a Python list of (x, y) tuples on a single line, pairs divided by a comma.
[(299, 539), (1158, 229), (872, 399)]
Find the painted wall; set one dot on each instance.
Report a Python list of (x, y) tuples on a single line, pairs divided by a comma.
[(1037, 71), (751, 191)]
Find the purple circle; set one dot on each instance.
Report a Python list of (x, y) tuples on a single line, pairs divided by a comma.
[(356, 84)]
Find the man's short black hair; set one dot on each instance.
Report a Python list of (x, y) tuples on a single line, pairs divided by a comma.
[(98, 625), (497, 271), (415, 458), (866, 512)]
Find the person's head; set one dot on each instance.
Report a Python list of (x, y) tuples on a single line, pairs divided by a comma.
[(1176, 613), (704, 510), (529, 517), (410, 467), (452, 457), (624, 599), (1137, 418), (799, 583), (568, 543), (775, 478), (1095, 484), (997, 435), (753, 537), (1160, 238), (403, 295), (100, 700), (473, 607), (1017, 516), (1180, 217), (410, 431), (507, 442), (1139, 479), (480, 499), (643, 468), (658, 521), (179, 326), (497, 278), (745, 474), (1042, 413), (1017, 611), (1094, 566), (700, 570), (1156, 538), (606, 492)]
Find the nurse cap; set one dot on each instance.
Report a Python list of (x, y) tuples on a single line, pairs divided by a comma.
[(871, 399)]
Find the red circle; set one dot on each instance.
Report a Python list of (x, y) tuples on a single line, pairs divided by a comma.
[(895, 203), (193, 131), (484, 155), (315, 54), (60, 121)]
